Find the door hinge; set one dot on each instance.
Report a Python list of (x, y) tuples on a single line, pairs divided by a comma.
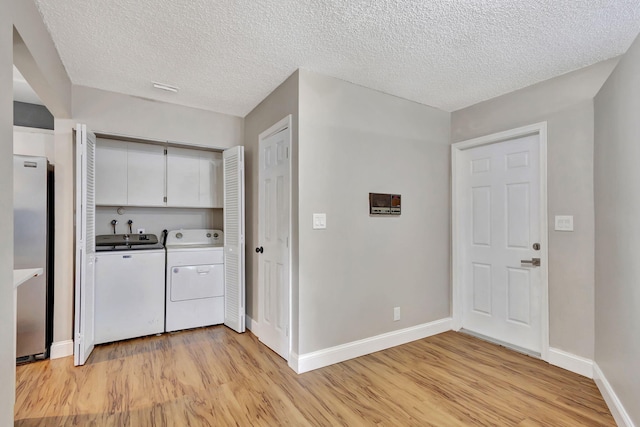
[(164, 199), (165, 151)]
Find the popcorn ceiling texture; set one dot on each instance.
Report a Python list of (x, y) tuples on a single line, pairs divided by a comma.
[(228, 55)]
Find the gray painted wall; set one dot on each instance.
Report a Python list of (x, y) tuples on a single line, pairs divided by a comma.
[(7, 312), (566, 103), (352, 141), (279, 104), (617, 198), (64, 244), (119, 114)]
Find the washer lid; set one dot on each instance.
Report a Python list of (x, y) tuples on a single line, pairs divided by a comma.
[(200, 237)]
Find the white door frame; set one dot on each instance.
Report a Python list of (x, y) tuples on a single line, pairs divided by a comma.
[(456, 275), (285, 123)]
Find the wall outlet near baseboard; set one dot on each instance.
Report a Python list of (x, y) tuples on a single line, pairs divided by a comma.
[(396, 314)]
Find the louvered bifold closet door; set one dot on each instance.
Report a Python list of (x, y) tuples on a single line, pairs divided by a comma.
[(234, 274), (84, 244)]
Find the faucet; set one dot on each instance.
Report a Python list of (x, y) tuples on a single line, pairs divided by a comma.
[(113, 223)]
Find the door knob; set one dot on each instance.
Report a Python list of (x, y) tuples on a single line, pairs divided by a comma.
[(535, 262), (259, 250)]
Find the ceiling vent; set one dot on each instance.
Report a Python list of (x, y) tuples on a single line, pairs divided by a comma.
[(165, 87)]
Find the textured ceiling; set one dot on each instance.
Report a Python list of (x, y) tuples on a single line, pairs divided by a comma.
[(228, 55)]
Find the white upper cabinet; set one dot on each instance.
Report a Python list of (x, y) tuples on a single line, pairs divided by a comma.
[(145, 174), (194, 178), (111, 172), (138, 174), (183, 177), (211, 179), (129, 173)]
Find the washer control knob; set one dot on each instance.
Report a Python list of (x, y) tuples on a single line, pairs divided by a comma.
[(178, 235), (208, 235)]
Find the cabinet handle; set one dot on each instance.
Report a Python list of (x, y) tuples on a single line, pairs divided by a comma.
[(259, 250)]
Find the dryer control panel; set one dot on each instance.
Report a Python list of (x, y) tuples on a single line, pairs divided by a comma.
[(195, 237)]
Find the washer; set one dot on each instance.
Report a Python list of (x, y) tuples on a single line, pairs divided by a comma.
[(129, 287), (195, 279)]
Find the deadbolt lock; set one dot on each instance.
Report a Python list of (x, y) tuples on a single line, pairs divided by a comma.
[(536, 246)]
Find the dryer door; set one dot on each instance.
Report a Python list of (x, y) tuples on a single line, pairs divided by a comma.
[(197, 282)]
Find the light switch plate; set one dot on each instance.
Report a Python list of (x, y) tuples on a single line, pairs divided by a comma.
[(319, 221), (564, 223)]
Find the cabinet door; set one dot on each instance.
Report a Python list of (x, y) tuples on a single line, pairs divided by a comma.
[(146, 174), (210, 180), (111, 172), (183, 177)]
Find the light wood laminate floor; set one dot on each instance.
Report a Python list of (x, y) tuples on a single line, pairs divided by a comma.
[(213, 376)]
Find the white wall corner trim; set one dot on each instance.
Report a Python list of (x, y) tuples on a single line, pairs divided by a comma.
[(571, 362), (615, 406), (253, 326), (293, 362), (340, 353), (61, 349)]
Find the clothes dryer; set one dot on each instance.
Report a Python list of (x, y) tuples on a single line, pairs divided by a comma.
[(194, 279)]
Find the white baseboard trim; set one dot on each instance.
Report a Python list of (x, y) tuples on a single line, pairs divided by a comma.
[(252, 325), (571, 362), (329, 356), (61, 349), (615, 406)]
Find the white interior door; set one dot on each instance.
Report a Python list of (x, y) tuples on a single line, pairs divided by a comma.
[(500, 227), (234, 274), (274, 231), (84, 337)]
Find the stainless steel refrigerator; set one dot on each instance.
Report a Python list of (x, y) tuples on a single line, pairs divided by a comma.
[(33, 247)]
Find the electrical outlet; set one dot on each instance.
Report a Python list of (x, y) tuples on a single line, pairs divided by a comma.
[(396, 314), (141, 231)]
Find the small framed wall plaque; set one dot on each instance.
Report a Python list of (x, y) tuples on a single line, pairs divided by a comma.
[(384, 204)]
